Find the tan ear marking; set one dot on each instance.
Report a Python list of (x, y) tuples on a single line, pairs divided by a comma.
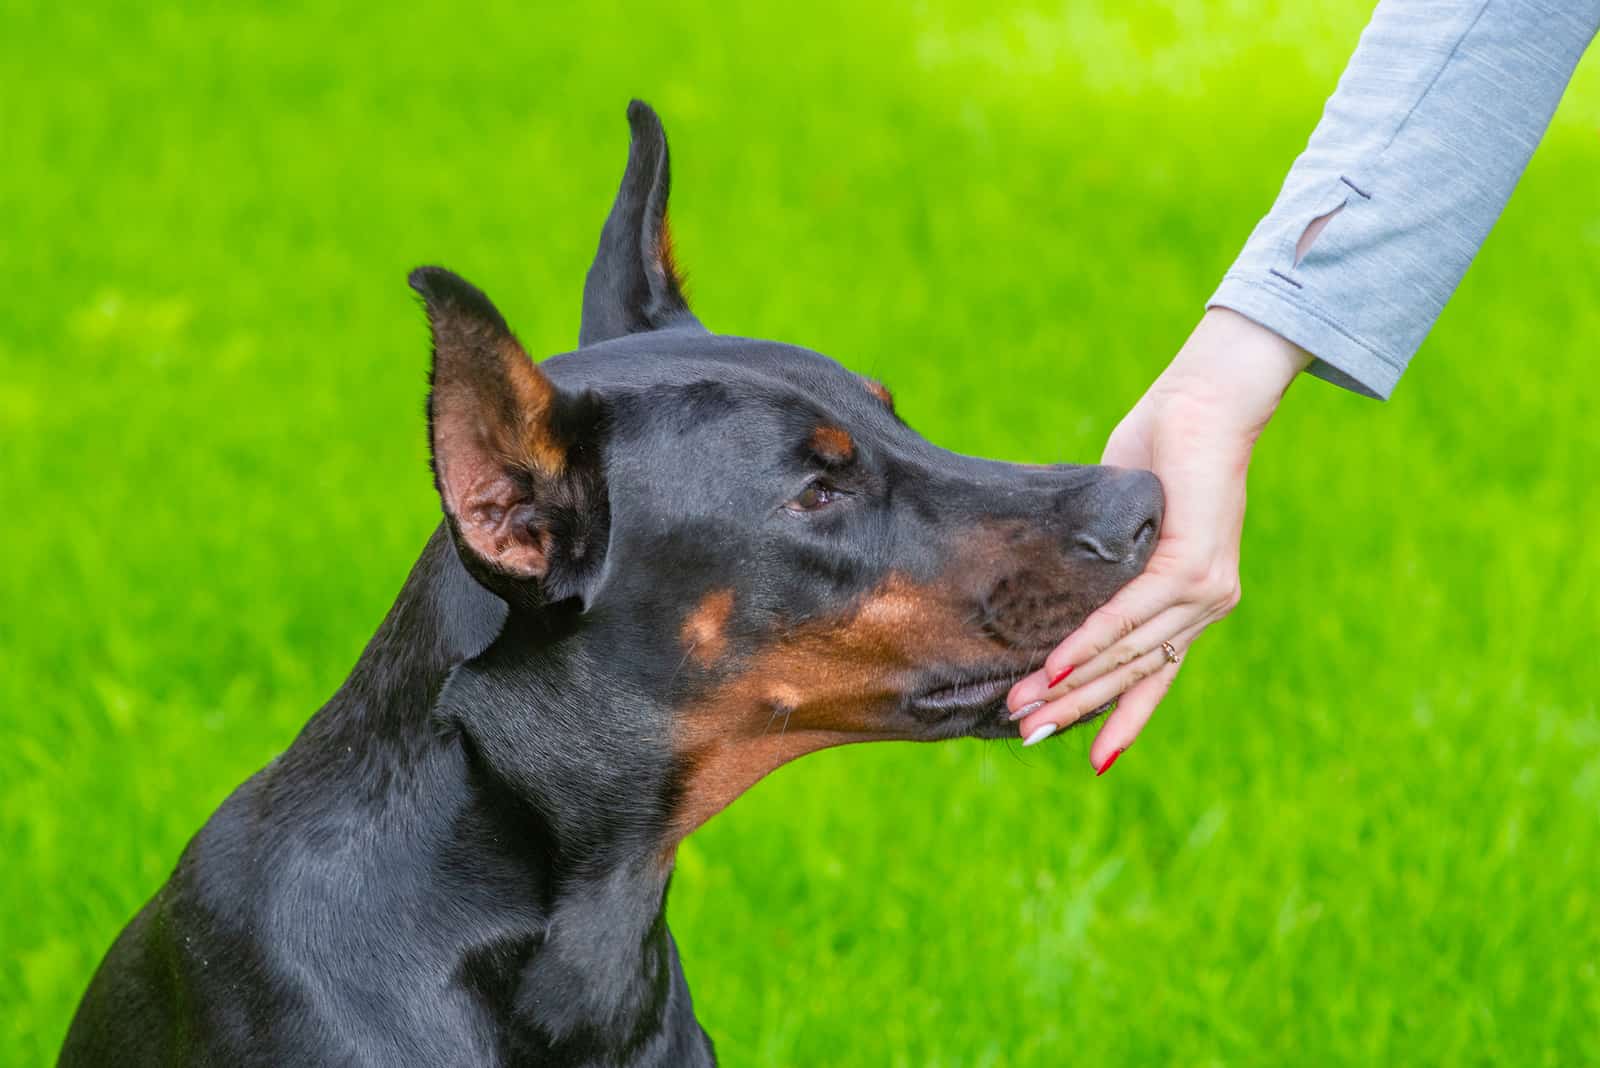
[(535, 398), (666, 257)]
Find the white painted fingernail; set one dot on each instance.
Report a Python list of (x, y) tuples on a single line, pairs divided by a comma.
[(1040, 734), (1026, 710)]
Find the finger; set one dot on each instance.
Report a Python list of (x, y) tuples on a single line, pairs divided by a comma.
[(1134, 605), (1179, 620), (1133, 711), (1055, 715), (1073, 706), (1121, 650)]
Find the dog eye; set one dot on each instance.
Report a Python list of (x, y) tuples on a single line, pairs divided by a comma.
[(818, 494)]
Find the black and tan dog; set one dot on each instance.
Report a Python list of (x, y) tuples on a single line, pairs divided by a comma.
[(671, 561)]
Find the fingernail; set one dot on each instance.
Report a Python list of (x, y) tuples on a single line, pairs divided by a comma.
[(1040, 734), (1062, 676), (1110, 760), (1026, 710)]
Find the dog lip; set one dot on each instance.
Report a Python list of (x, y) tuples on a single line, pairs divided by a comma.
[(978, 692)]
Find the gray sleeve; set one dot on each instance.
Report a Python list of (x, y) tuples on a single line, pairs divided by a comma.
[(1417, 152)]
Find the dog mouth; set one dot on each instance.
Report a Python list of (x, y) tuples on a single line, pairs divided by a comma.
[(965, 695)]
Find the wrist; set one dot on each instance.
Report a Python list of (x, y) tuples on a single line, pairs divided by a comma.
[(1236, 366)]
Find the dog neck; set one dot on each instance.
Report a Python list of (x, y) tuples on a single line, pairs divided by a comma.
[(572, 766), (491, 738)]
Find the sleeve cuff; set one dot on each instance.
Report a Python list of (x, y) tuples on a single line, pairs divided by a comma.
[(1340, 357)]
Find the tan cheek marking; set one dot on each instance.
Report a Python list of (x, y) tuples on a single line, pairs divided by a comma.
[(893, 608), (704, 632), (833, 444), (840, 680), (827, 683), (782, 696)]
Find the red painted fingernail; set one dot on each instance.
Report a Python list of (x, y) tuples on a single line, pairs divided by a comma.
[(1110, 760), (1061, 676)]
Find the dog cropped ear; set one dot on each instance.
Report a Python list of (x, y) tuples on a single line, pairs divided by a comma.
[(633, 285), (516, 461)]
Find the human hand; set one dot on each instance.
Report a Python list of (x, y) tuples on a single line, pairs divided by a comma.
[(1195, 428)]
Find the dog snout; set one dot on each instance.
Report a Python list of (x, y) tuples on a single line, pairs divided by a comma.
[(1120, 519)]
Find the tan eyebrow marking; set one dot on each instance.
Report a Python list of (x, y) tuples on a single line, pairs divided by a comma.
[(881, 391), (833, 444)]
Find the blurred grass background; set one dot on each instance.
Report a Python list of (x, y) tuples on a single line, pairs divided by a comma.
[(1361, 831)]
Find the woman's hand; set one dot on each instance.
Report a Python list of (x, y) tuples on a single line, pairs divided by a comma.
[(1195, 428)]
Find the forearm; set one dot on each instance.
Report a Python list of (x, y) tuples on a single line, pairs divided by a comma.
[(1417, 152)]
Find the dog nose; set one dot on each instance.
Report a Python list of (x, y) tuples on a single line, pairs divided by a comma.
[(1121, 517)]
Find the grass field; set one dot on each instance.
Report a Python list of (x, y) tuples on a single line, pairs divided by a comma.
[(1362, 831)]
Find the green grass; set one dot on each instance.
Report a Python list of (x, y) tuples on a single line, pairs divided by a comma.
[(1361, 831)]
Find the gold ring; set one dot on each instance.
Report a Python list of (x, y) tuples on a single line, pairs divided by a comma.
[(1172, 654)]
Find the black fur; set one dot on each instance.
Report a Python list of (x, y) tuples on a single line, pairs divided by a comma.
[(463, 858), (633, 285)]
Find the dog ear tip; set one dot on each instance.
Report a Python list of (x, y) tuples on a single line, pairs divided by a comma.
[(448, 296), (643, 119), (429, 281)]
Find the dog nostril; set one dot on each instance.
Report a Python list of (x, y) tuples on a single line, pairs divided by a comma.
[(1097, 547), (1146, 531)]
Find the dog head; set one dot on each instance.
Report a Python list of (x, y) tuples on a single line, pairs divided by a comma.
[(747, 527)]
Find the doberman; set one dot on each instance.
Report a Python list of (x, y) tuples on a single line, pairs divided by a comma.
[(670, 561)]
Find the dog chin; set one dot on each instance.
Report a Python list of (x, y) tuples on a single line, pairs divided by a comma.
[(974, 707), (996, 722)]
